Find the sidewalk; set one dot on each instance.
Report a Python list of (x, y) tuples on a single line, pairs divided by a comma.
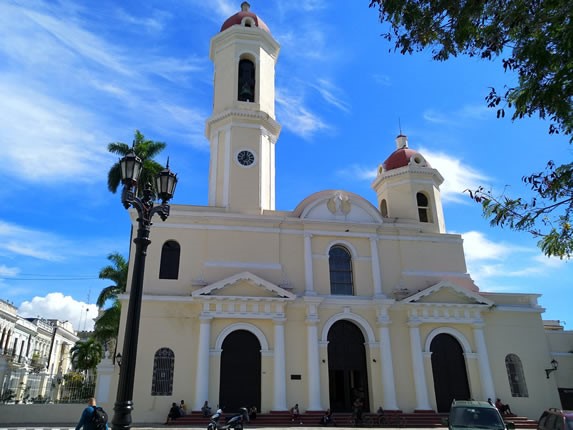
[(159, 426)]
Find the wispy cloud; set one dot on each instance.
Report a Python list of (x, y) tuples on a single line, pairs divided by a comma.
[(331, 94), (458, 175), (22, 241), (491, 262), (296, 116), (56, 79), (458, 117), (6, 271), (382, 80)]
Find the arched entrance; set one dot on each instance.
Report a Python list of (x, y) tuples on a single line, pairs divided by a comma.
[(347, 374), (449, 370), (240, 383)]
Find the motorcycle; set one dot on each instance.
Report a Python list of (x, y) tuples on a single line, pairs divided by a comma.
[(235, 422)]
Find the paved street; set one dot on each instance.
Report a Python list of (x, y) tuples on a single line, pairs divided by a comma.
[(38, 427)]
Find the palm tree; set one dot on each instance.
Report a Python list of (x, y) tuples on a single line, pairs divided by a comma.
[(144, 149), (107, 324), (117, 273), (86, 355)]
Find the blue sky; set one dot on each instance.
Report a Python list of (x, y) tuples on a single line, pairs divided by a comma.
[(75, 77)]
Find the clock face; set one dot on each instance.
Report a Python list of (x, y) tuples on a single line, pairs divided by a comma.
[(245, 158)]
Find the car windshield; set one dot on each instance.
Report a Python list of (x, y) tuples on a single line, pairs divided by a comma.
[(569, 423), (487, 418)]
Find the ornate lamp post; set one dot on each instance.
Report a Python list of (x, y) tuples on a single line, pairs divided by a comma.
[(165, 183)]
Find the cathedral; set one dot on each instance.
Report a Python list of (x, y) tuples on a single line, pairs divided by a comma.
[(335, 300)]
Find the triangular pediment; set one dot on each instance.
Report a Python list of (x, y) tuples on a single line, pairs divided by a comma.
[(244, 284), (448, 293)]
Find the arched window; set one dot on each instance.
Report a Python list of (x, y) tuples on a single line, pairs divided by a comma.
[(340, 263), (384, 208), (515, 375), (169, 266), (246, 87), (423, 207), (163, 365)]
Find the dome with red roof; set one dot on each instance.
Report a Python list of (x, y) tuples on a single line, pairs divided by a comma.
[(245, 17), (404, 156)]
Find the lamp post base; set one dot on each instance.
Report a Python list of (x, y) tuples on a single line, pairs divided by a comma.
[(122, 417)]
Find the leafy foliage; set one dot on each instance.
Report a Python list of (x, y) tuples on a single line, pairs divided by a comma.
[(107, 324), (144, 149), (546, 215), (533, 37), (86, 354)]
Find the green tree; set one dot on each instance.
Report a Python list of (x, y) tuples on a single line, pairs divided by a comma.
[(546, 215), (144, 149), (107, 324), (534, 40), (86, 355)]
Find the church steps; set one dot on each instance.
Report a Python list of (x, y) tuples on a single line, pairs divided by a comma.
[(422, 419)]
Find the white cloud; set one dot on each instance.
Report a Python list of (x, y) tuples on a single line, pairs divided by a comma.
[(358, 172), (458, 175), (296, 117), (60, 307), (327, 90), (6, 271), (31, 243), (459, 117), (478, 247)]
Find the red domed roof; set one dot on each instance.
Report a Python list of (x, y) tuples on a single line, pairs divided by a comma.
[(401, 157), (238, 18)]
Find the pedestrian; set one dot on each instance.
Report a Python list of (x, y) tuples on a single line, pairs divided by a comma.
[(183, 408), (173, 414), (93, 417)]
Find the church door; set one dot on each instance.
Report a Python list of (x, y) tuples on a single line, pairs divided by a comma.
[(240, 384), (449, 370), (347, 375)]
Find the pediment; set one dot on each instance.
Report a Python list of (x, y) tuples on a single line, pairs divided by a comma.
[(446, 292), (244, 285), (333, 205)]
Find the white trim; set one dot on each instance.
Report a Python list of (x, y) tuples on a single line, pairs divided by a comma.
[(451, 331), (243, 326), (345, 243), (349, 316), (243, 265)]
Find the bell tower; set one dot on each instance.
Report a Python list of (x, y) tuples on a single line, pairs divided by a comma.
[(408, 189), (242, 129)]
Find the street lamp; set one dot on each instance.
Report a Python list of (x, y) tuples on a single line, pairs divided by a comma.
[(165, 180)]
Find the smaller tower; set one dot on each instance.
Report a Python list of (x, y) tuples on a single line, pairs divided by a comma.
[(408, 188)]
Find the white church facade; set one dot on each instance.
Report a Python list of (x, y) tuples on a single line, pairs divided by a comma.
[(337, 299)]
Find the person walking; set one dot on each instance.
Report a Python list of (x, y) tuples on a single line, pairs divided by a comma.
[(89, 421)]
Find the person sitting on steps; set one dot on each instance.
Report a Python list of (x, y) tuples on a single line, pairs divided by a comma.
[(503, 408), (295, 414), (173, 414)]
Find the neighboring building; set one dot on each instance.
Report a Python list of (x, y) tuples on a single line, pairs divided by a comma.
[(34, 354), (334, 300)]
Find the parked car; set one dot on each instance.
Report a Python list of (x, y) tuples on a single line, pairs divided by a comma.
[(478, 415), (555, 419)]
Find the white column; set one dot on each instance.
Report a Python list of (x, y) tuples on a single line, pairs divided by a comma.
[(279, 374), (387, 368), (483, 362), (420, 385), (202, 374), (314, 401), (376, 277), (308, 273)]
